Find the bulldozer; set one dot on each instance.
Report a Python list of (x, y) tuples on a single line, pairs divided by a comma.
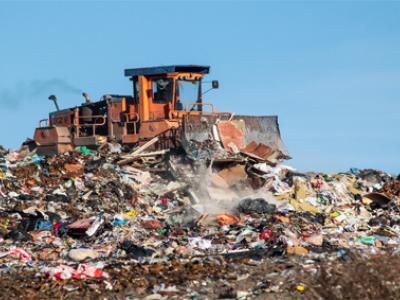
[(167, 103)]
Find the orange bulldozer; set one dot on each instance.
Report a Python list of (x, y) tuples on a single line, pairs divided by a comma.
[(167, 103)]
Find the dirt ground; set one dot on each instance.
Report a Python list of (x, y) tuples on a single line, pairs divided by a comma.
[(375, 277)]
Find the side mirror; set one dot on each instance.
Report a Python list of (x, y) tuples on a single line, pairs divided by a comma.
[(215, 84)]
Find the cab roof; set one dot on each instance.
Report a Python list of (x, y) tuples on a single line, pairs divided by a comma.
[(167, 69)]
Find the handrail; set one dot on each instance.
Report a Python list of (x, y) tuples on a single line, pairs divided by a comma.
[(93, 125), (197, 103), (127, 118), (44, 120), (93, 117), (137, 119), (186, 111)]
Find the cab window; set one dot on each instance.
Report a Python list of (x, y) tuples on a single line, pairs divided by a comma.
[(162, 90), (187, 92)]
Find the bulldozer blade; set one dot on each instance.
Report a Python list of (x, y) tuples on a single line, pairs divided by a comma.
[(264, 131), (257, 136)]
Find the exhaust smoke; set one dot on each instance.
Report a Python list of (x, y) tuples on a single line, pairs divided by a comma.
[(12, 98)]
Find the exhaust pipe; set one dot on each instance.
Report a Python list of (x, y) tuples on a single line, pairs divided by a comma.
[(54, 99), (87, 97)]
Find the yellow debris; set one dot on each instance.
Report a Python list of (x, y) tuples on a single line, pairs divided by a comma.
[(300, 288)]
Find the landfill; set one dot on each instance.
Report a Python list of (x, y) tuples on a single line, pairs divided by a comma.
[(116, 223)]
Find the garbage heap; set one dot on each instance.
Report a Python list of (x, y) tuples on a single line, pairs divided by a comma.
[(71, 217)]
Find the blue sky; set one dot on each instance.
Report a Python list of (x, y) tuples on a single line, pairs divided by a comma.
[(330, 70)]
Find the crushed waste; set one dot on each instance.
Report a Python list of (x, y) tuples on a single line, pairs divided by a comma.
[(169, 225)]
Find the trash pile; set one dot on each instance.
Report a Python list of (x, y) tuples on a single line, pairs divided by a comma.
[(94, 215)]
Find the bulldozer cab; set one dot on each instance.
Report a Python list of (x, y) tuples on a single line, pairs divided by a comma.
[(167, 92)]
